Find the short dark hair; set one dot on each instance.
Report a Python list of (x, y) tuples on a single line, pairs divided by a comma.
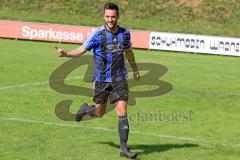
[(111, 6)]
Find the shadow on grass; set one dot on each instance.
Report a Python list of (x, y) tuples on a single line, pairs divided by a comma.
[(151, 148)]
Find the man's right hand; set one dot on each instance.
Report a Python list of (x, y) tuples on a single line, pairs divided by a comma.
[(60, 52)]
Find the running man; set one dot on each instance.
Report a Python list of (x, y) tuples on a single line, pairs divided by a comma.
[(109, 43)]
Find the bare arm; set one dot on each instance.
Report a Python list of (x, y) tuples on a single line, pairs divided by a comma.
[(131, 59), (73, 53)]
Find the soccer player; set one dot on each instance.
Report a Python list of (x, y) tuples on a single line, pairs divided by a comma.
[(109, 43)]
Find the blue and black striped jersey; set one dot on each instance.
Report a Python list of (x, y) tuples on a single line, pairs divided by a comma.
[(108, 51)]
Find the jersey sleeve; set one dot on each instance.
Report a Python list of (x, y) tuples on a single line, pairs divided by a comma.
[(126, 40), (91, 41)]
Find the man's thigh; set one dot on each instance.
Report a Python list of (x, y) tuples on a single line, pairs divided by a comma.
[(101, 92), (119, 91)]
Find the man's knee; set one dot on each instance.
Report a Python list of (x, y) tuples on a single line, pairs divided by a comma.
[(99, 113), (121, 108)]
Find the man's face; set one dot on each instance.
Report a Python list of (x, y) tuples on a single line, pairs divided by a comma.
[(110, 18)]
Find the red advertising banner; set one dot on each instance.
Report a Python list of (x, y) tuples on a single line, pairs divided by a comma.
[(43, 31), (63, 33), (140, 39)]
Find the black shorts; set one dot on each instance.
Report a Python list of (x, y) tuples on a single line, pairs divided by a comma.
[(115, 91)]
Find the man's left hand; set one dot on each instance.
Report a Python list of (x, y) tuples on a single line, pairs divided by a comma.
[(136, 75)]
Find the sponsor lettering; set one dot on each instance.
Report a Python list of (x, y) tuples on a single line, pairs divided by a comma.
[(225, 46), (30, 33), (177, 42)]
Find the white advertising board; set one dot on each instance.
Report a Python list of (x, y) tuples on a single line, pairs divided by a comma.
[(194, 43)]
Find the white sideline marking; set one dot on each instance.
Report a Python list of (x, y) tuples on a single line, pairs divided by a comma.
[(113, 130), (37, 83)]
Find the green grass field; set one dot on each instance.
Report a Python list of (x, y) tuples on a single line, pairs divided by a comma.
[(211, 17), (206, 85)]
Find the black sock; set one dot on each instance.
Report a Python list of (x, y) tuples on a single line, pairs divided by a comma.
[(91, 111), (123, 130)]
